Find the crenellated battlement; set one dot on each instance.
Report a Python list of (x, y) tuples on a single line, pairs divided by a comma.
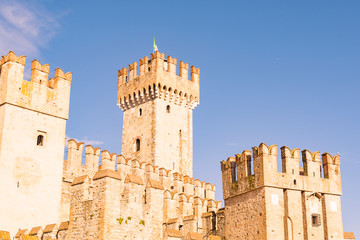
[(257, 168), (168, 193), (41, 94), (157, 78), (11, 57), (151, 199), (155, 193), (50, 231), (78, 165)]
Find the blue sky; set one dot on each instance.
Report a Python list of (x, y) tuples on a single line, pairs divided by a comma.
[(279, 72)]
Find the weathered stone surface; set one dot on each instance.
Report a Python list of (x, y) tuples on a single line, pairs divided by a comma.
[(33, 117), (148, 191), (293, 204)]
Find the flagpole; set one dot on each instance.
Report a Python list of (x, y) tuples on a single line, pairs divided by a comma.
[(155, 46)]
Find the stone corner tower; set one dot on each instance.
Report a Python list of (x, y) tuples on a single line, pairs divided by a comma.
[(33, 118), (299, 203), (157, 105)]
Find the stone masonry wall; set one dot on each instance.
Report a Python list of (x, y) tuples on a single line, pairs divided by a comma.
[(245, 216), (296, 203), (138, 200), (31, 169), (161, 102)]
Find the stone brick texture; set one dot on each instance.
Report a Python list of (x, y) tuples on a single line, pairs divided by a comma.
[(148, 191), (296, 203)]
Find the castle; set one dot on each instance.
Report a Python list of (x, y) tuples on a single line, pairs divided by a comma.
[(148, 191)]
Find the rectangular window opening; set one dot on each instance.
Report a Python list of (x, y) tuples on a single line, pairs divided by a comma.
[(315, 220)]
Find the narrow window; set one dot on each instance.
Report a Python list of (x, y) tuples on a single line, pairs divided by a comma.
[(315, 220), (204, 193), (183, 189), (137, 145), (168, 108), (293, 172), (40, 140), (140, 112), (233, 171)]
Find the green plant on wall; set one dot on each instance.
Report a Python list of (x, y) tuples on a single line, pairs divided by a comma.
[(235, 185), (120, 220), (251, 180)]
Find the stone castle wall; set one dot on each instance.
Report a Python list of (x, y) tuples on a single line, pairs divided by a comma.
[(148, 191), (297, 203), (134, 200), (31, 170)]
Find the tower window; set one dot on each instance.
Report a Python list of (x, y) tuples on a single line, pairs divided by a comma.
[(140, 112), (168, 108), (137, 147), (40, 140), (315, 220)]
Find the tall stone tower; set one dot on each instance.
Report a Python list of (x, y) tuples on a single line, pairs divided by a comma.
[(33, 117), (157, 105), (295, 204)]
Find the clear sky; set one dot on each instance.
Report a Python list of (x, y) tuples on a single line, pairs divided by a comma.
[(280, 72)]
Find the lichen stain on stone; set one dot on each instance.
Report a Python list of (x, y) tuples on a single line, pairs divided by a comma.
[(50, 96), (27, 88)]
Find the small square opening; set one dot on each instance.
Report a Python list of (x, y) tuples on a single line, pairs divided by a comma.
[(315, 220)]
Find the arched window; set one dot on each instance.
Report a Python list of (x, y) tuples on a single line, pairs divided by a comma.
[(168, 108), (40, 140), (137, 147), (140, 112)]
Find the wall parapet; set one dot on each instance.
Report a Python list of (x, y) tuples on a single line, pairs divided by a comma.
[(50, 231), (157, 78), (41, 94), (78, 165), (133, 180), (258, 168)]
